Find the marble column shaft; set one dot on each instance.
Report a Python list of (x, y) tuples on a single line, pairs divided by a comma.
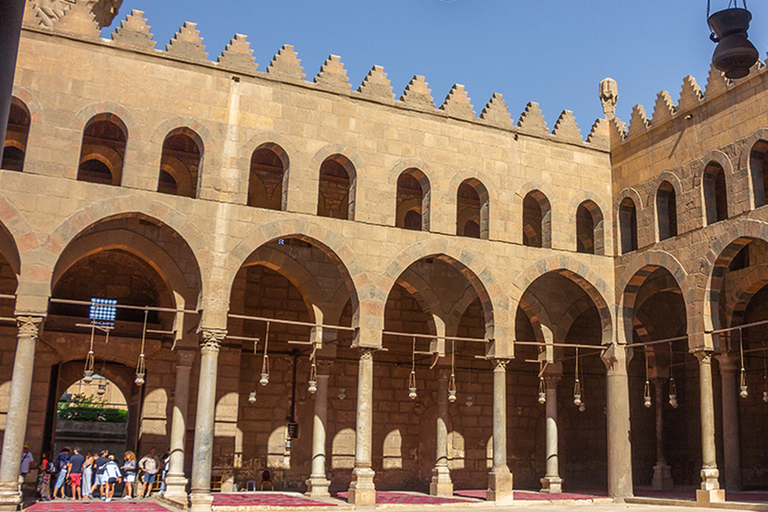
[(500, 478), (18, 411), (731, 432), (176, 483), (318, 484), (362, 490), (617, 417), (210, 344), (662, 476), (441, 484), (552, 483)]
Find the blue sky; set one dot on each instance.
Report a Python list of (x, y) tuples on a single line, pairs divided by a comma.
[(548, 51)]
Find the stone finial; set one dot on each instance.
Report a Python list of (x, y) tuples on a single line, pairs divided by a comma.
[(333, 75), (376, 84), (600, 134), (690, 94), (457, 103), (566, 127), (638, 123), (664, 108), (609, 95), (716, 82), (496, 111), (134, 31), (79, 20), (187, 44), (532, 119), (238, 55), (418, 94), (286, 64)]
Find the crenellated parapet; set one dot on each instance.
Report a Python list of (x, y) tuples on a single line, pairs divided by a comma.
[(691, 97), (84, 19)]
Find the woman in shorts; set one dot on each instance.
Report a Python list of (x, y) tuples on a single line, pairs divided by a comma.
[(129, 471)]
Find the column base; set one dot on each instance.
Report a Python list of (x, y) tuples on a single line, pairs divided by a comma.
[(500, 486), (441, 484), (200, 502), (317, 486), (662, 477), (362, 491), (552, 484), (705, 498), (10, 496), (176, 492)]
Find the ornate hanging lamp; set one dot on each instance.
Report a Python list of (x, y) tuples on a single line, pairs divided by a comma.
[(470, 401), (452, 381), (312, 388), (577, 391), (141, 367), (743, 391), (412, 377), (672, 385), (542, 398), (89, 359), (265, 361), (734, 54), (647, 386), (252, 394)]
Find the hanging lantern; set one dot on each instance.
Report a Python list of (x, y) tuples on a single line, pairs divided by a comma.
[(139, 380), (312, 379), (743, 392), (102, 388), (577, 384), (470, 401), (734, 54), (452, 381), (582, 407), (647, 394), (141, 366), (542, 391), (412, 385), (265, 361), (342, 393), (672, 393), (252, 397), (90, 361)]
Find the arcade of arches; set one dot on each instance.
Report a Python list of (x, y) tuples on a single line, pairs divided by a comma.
[(359, 294)]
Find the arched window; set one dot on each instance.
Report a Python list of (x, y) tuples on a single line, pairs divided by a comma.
[(15, 146), (412, 200), (537, 223), (180, 165), (337, 188), (628, 225), (589, 228), (666, 210), (758, 167), (472, 209), (103, 150), (267, 182), (715, 194)]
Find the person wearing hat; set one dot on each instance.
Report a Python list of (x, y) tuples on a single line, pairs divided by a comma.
[(26, 461)]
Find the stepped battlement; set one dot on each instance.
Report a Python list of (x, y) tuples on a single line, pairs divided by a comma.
[(79, 19)]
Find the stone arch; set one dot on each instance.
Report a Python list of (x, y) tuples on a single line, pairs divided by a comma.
[(566, 321), (17, 237), (490, 292), (715, 204), (482, 218), (87, 113), (582, 275), (633, 277), (205, 140), (331, 243), (257, 174), (715, 265), (664, 202), (80, 220), (469, 173), (424, 175), (17, 136), (633, 195), (541, 193), (35, 108), (602, 235), (538, 317), (590, 228), (752, 158), (352, 164), (745, 289)]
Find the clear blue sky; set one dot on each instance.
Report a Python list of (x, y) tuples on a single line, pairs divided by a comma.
[(548, 51)]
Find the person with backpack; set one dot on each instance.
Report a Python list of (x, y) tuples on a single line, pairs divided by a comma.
[(112, 476), (44, 477), (98, 471), (61, 463), (26, 462)]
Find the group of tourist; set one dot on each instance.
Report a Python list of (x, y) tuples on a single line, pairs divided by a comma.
[(89, 473)]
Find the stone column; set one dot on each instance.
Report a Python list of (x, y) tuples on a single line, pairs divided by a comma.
[(210, 344), (317, 485), (617, 415), (175, 482), (662, 476), (731, 432), (441, 484), (500, 478), (710, 491), (361, 489), (11, 14), (552, 483), (18, 411)]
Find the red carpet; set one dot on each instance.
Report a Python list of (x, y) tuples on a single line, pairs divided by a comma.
[(480, 494), (266, 499), (405, 498), (96, 506)]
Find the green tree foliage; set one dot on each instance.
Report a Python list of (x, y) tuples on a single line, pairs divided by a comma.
[(90, 408)]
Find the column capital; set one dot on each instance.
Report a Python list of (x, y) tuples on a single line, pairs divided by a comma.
[(29, 325), (704, 356), (500, 365), (210, 339), (366, 354), (728, 362), (615, 358), (552, 380), (324, 367), (185, 358)]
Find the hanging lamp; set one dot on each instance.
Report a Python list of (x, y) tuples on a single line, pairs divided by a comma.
[(452, 381), (141, 367), (412, 377), (577, 384), (743, 391), (672, 385), (89, 359), (312, 388), (647, 386), (734, 54), (469, 401), (252, 394), (265, 361), (542, 398), (765, 381)]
